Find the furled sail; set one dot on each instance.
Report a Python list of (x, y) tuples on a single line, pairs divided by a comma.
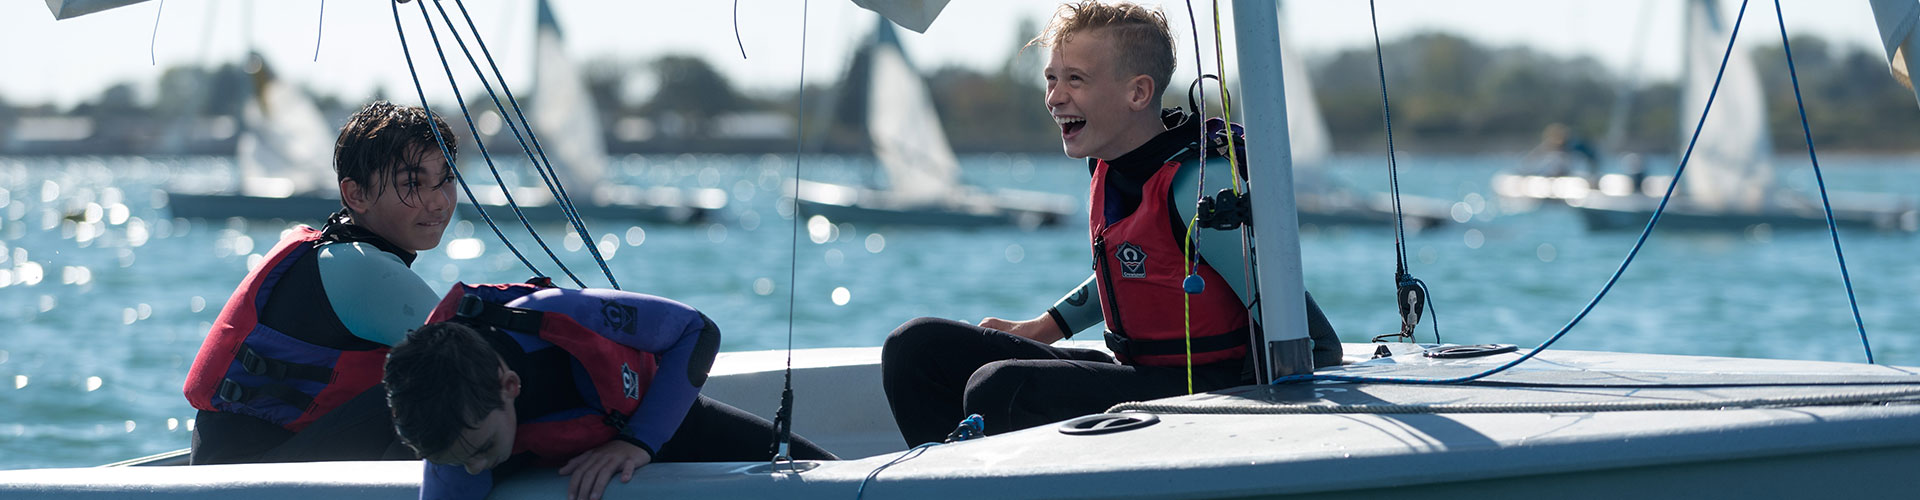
[(1730, 168), (907, 138)]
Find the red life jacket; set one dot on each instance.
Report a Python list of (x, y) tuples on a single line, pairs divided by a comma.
[(249, 368), (1139, 262), (620, 374)]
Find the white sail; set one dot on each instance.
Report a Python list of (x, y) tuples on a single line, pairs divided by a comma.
[(63, 9), (915, 15), (1312, 144), (563, 113), (1897, 20), (1730, 168), (907, 138), (285, 146)]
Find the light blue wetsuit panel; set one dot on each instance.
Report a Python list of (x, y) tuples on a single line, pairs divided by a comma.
[(373, 292)]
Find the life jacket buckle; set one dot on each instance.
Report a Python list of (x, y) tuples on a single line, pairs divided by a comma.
[(231, 391), (256, 364), (1118, 343), (471, 306), (616, 420)]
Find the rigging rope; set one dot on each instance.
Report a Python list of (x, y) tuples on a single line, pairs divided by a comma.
[(1858, 397), (1409, 292), (1822, 182), (319, 28), (421, 91), (155, 38), (1615, 278), (536, 155), (481, 145), (783, 418), (542, 165), (1200, 189)]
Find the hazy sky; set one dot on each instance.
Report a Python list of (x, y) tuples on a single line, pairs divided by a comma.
[(65, 61)]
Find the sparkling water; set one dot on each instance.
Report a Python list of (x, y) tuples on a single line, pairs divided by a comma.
[(104, 298)]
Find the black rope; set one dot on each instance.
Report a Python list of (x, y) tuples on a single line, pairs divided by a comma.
[(783, 418), (1409, 292)]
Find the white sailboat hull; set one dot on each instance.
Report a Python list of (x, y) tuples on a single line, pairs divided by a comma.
[(1851, 450)]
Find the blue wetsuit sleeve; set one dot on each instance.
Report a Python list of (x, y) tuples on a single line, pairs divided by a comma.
[(373, 292), (682, 340), (1079, 309), (452, 482)]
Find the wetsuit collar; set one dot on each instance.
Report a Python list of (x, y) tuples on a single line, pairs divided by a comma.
[(341, 229), (1144, 160)]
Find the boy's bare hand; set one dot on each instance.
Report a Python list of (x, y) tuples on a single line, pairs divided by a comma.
[(591, 471)]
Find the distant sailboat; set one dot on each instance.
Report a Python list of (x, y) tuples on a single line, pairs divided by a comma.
[(922, 173), (1730, 181), (1323, 199), (283, 159), (566, 119), (1585, 424)]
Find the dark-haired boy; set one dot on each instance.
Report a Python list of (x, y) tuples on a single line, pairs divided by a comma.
[(289, 370), (599, 382)]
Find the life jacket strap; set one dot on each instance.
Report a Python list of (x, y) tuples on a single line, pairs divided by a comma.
[(256, 364), (233, 391), (1134, 348), (474, 309)]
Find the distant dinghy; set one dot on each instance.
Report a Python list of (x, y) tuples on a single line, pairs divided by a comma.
[(923, 176)]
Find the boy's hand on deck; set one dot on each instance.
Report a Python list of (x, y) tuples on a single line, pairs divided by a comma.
[(591, 471), (1041, 329)]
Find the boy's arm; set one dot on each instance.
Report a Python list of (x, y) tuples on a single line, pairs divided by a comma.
[(1079, 309), (683, 341), (375, 295), (448, 482)]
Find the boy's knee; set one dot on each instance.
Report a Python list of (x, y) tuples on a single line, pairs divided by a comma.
[(997, 384), (913, 337)]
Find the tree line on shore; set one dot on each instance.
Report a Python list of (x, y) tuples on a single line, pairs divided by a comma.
[(1449, 94)]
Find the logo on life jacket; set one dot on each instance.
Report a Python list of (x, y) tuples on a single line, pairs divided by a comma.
[(1133, 260), (619, 317), (629, 382)]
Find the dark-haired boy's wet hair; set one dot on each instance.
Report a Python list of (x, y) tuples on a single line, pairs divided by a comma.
[(441, 381), (384, 136)]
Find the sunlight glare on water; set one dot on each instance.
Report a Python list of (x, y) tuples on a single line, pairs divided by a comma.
[(1687, 293)]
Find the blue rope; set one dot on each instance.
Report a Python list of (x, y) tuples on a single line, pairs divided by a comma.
[(508, 193), (547, 174), (319, 27), (1637, 245), (462, 178), (154, 40), (1821, 180)]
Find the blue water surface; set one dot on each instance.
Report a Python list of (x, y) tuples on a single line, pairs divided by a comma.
[(105, 298)]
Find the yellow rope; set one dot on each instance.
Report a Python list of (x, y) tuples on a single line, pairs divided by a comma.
[(1226, 101)]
